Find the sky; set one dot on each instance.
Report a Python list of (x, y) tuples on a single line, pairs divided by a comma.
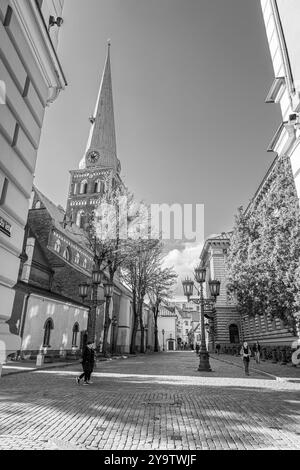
[(190, 79)]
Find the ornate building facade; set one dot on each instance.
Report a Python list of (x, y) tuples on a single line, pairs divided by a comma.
[(31, 78), (281, 18), (223, 322)]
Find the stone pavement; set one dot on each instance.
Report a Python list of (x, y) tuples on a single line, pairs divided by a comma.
[(151, 402), (280, 372)]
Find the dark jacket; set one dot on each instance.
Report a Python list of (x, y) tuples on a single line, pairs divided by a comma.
[(88, 357)]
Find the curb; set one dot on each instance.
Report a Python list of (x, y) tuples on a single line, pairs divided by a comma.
[(54, 366), (278, 379)]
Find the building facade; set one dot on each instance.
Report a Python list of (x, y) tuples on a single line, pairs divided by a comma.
[(48, 313), (281, 18), (31, 78), (167, 328), (223, 322)]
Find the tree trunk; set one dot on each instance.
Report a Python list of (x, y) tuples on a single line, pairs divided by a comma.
[(142, 327), (155, 330), (107, 322), (135, 326)]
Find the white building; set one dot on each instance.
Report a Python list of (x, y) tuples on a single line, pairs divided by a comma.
[(31, 78), (282, 19), (167, 328)]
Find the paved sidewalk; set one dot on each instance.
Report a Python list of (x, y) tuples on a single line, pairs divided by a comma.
[(279, 372), (20, 367), (152, 402)]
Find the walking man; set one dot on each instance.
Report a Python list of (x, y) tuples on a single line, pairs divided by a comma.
[(88, 360), (246, 353)]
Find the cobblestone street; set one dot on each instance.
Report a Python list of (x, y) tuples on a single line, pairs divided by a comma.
[(149, 402)]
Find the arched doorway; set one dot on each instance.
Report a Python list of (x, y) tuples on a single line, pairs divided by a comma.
[(234, 335), (171, 345)]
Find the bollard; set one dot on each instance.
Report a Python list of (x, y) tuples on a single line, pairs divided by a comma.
[(39, 360), (274, 356)]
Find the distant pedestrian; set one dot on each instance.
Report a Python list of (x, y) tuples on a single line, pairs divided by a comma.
[(246, 353), (256, 350), (88, 361), (218, 347), (197, 348)]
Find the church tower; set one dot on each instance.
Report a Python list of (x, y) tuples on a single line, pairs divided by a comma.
[(99, 169)]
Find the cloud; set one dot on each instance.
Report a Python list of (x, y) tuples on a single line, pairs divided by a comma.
[(184, 259)]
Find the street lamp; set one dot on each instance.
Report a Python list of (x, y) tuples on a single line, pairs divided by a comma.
[(93, 302), (214, 287), (163, 333), (114, 324)]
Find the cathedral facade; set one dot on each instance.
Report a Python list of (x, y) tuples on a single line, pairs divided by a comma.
[(57, 257)]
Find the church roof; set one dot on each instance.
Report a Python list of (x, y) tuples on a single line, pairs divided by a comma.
[(101, 150), (57, 214)]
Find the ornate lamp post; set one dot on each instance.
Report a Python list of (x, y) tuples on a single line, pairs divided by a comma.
[(114, 324), (93, 302), (188, 287), (163, 333)]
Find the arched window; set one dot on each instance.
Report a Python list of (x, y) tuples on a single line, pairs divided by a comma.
[(80, 219), (84, 264), (99, 186), (48, 327), (37, 205), (67, 254), (57, 246), (75, 335), (234, 334), (77, 258), (83, 187)]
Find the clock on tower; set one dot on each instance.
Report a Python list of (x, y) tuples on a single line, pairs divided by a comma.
[(93, 156)]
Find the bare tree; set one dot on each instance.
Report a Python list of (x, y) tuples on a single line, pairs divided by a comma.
[(144, 274), (107, 233), (158, 294)]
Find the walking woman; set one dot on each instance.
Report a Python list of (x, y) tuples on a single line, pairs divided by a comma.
[(257, 349), (88, 360), (246, 353)]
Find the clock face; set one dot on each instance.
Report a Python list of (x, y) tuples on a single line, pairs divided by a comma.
[(93, 157)]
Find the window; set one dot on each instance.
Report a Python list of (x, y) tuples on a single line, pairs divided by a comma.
[(57, 246), (67, 254), (84, 264), (48, 327), (186, 323), (75, 335), (83, 187), (77, 258), (37, 205), (99, 187), (80, 219)]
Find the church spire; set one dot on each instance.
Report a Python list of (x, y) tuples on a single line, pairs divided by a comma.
[(101, 151)]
